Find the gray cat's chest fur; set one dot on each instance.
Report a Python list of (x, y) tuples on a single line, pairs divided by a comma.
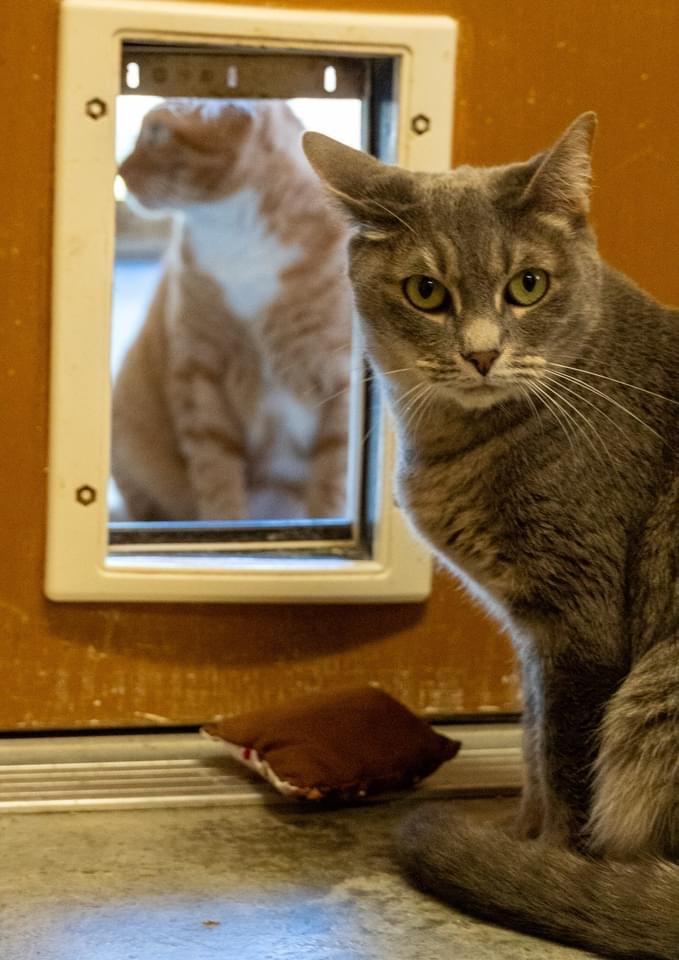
[(538, 522), (449, 502), (491, 511)]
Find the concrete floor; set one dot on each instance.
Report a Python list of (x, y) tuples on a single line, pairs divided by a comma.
[(234, 883)]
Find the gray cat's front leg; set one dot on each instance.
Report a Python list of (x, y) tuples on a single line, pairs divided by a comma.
[(529, 822), (574, 691)]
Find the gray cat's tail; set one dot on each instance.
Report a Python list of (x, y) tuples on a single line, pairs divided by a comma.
[(617, 909)]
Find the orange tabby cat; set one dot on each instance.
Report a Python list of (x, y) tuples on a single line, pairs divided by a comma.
[(232, 401)]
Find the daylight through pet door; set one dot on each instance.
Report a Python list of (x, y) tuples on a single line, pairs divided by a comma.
[(152, 239)]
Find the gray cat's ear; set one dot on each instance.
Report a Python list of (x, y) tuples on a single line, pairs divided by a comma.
[(562, 181), (342, 168), (359, 182)]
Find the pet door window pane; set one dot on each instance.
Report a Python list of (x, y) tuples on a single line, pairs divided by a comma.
[(240, 407)]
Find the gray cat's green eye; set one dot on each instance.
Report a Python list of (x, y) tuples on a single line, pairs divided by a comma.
[(527, 287), (426, 293)]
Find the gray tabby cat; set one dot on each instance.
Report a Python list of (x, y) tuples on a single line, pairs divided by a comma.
[(534, 391)]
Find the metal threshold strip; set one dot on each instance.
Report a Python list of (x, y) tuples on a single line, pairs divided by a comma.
[(175, 770)]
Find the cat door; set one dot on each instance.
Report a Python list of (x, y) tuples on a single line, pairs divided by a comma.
[(215, 434), (244, 260)]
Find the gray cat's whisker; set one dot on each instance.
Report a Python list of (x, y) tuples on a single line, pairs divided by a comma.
[(600, 393), (525, 391), (411, 395), (338, 393), (294, 364), (330, 398), (420, 414), (590, 403), (554, 392), (623, 383), (409, 411), (403, 403), (370, 375), (423, 407), (597, 433), (391, 213), (400, 400), (366, 378), (375, 424), (553, 406), (415, 407), (389, 373)]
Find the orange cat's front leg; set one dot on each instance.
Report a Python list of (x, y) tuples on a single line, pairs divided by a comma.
[(213, 445), (217, 474), (328, 476)]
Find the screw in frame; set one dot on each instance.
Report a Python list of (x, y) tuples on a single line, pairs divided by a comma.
[(86, 495), (420, 124), (95, 108)]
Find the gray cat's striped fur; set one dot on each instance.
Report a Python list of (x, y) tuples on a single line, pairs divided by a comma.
[(548, 482)]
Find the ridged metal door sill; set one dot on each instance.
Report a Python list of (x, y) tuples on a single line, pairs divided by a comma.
[(174, 770)]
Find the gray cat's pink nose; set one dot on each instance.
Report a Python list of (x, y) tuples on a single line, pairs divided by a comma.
[(483, 360)]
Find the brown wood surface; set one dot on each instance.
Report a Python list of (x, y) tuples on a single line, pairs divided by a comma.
[(525, 69)]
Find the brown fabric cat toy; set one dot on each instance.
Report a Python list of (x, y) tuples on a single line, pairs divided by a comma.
[(232, 402), (534, 391)]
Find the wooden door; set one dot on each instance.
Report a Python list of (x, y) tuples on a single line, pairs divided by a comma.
[(524, 70)]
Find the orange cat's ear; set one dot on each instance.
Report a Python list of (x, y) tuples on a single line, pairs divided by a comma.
[(358, 181), (561, 183)]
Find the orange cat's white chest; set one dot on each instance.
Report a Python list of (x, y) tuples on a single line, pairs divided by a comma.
[(280, 439), (293, 424), (232, 241)]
